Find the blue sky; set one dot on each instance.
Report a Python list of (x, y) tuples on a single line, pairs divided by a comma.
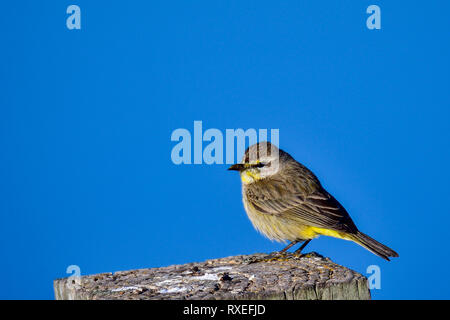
[(86, 116)]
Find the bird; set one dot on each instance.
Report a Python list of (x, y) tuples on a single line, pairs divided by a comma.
[(285, 201)]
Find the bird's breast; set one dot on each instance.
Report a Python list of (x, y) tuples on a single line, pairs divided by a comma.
[(277, 227)]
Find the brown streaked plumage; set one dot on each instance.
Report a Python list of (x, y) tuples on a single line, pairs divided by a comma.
[(285, 201)]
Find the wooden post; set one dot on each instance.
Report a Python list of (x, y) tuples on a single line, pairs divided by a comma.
[(256, 276)]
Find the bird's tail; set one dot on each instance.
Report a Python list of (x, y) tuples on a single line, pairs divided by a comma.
[(373, 246)]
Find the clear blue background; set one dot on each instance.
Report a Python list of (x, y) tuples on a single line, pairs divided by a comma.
[(86, 117)]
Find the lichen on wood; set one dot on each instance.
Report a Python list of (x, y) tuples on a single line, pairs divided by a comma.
[(256, 276)]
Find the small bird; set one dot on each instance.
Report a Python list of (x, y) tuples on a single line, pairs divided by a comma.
[(285, 201)]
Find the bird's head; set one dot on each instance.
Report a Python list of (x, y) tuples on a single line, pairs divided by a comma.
[(260, 161)]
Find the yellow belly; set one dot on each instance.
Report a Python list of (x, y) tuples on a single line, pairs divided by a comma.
[(281, 229), (331, 233)]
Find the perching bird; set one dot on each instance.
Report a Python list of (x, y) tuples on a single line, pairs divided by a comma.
[(285, 201)]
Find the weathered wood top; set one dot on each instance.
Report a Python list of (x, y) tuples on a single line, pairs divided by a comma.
[(257, 276)]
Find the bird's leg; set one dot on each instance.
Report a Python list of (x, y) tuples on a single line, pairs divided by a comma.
[(299, 250), (288, 246)]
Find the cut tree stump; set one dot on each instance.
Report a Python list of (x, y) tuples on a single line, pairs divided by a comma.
[(256, 276)]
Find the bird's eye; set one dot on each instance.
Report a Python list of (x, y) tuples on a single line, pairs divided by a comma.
[(259, 165)]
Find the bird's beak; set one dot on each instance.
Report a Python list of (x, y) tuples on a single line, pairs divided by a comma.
[(237, 167)]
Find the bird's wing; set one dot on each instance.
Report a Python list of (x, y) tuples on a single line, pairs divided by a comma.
[(315, 208)]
